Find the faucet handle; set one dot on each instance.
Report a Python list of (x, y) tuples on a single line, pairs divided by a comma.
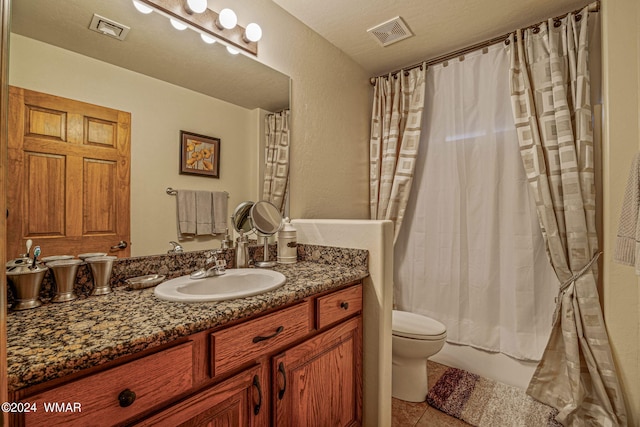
[(220, 263), (212, 256), (216, 253)]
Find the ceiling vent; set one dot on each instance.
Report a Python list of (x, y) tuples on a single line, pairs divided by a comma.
[(391, 31), (108, 27)]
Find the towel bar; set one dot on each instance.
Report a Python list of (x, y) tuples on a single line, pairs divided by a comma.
[(170, 191)]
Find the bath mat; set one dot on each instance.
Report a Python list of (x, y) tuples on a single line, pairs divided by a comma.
[(482, 402)]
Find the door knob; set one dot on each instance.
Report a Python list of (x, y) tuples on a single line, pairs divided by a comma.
[(121, 245)]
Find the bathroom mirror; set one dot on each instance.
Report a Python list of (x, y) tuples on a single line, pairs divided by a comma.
[(151, 54), (266, 220), (240, 217)]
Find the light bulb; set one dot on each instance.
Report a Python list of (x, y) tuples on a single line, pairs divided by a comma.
[(232, 51), (227, 19), (177, 24), (209, 40), (196, 6), (253, 33), (142, 8)]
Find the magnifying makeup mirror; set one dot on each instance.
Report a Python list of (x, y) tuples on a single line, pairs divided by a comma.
[(267, 221), (240, 217)]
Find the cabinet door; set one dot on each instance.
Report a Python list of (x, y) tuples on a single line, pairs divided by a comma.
[(240, 401), (319, 382)]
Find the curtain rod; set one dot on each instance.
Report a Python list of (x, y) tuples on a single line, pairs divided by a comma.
[(593, 7)]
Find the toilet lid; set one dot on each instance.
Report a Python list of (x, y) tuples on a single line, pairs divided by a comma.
[(412, 325)]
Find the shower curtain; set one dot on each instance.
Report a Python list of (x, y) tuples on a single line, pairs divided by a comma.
[(396, 124), (551, 104), (470, 253), (276, 172)]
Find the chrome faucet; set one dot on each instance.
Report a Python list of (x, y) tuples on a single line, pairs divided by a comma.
[(212, 266)]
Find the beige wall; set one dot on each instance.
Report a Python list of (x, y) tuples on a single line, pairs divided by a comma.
[(159, 111), (621, 57), (330, 104)]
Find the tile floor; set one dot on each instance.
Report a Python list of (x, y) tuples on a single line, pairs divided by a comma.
[(409, 414)]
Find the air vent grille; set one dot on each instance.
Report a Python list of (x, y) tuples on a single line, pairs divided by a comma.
[(391, 31), (108, 27)]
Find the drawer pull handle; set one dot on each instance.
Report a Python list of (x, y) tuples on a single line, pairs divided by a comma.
[(277, 332), (256, 384), (284, 383), (344, 305), (126, 398)]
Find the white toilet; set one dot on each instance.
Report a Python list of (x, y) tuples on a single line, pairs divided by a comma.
[(415, 338)]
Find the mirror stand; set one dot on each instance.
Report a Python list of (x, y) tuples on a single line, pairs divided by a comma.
[(267, 221), (265, 263)]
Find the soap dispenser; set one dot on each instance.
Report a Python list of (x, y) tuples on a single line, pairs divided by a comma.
[(227, 242), (287, 243)]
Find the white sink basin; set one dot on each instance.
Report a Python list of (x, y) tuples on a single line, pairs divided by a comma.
[(235, 283)]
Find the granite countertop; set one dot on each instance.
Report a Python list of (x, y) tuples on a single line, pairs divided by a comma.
[(58, 339)]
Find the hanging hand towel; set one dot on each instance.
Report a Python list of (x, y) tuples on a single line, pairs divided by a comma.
[(627, 250), (204, 213), (220, 199), (186, 204)]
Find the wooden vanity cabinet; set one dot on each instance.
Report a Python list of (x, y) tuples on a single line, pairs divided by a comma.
[(318, 382), (296, 366)]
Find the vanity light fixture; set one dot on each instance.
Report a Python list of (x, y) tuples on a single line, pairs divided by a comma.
[(227, 19), (211, 26), (177, 24), (253, 33), (142, 8), (195, 6), (209, 40)]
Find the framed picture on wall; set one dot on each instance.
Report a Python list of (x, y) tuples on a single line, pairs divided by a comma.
[(199, 154)]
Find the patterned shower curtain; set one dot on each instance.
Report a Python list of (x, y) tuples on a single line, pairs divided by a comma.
[(396, 123), (550, 99), (276, 172)]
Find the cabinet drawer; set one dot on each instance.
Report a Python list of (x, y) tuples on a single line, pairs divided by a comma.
[(338, 305), (154, 379), (245, 342)]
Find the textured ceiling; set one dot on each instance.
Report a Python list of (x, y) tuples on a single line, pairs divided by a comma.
[(440, 26)]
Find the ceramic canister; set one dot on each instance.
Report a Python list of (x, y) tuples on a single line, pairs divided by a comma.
[(287, 243)]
